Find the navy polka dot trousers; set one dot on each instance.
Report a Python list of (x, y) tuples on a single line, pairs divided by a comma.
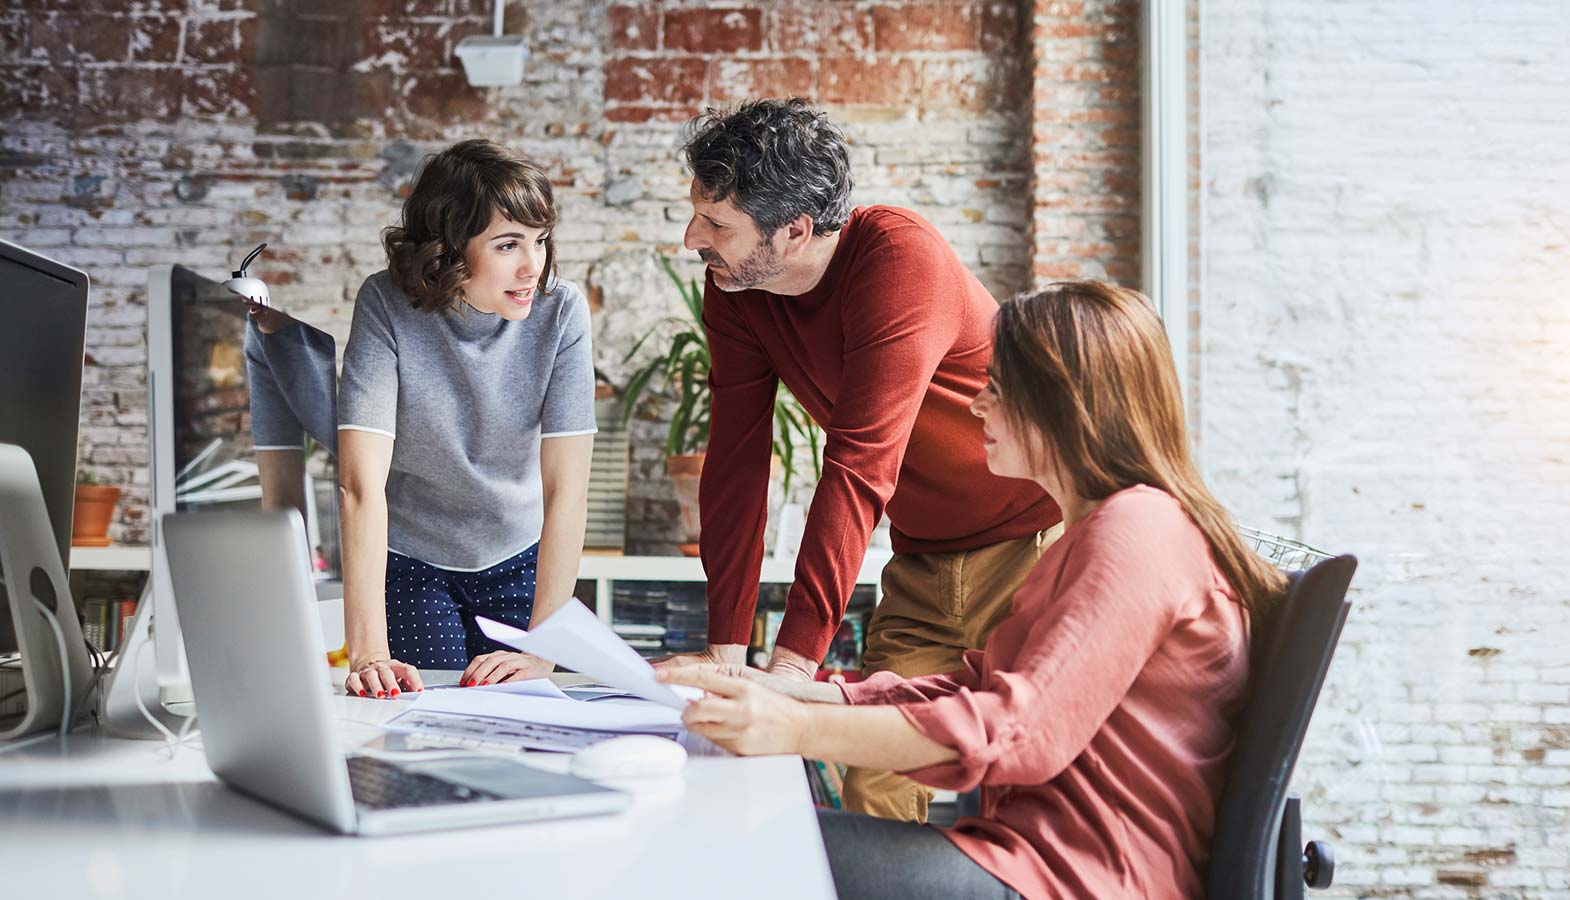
[(430, 611)]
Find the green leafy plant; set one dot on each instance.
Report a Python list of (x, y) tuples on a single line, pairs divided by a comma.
[(85, 477), (684, 366)]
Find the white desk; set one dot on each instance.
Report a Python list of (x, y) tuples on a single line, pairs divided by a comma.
[(100, 817)]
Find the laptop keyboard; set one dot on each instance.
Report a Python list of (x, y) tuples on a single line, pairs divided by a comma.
[(378, 784)]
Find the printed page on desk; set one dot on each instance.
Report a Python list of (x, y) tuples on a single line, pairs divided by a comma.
[(575, 638), (610, 715)]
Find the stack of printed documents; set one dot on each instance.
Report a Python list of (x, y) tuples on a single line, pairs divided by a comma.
[(537, 715)]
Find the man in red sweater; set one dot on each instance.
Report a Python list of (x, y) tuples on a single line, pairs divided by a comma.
[(884, 336)]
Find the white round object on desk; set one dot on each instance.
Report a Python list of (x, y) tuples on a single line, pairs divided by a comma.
[(629, 756)]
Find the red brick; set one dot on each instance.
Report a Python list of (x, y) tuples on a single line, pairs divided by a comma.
[(669, 80), (1121, 137), (638, 113), (42, 91), (925, 27), (1093, 72), (420, 45), (713, 30), (66, 39), (405, 9), (973, 85), (1057, 182), (1070, 30), (372, 94), (1125, 270), (222, 92), (633, 28), (820, 30), (1085, 159), (218, 40), (1058, 270), (444, 96), (155, 38), (1000, 29), (117, 94), (13, 37), (731, 80), (1068, 9), (1088, 115), (881, 82)]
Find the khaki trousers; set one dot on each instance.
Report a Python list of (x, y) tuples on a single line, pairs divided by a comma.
[(935, 606)]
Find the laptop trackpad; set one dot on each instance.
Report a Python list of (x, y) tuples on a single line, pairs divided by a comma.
[(509, 779)]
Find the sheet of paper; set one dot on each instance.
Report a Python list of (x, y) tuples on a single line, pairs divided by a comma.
[(607, 715), (575, 638), (484, 733), (533, 687)]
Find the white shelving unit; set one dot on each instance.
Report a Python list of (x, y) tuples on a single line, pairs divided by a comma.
[(112, 558), (603, 570)]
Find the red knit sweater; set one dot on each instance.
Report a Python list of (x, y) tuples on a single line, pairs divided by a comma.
[(885, 353)]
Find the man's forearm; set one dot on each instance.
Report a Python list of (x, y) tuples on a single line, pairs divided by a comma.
[(786, 661)]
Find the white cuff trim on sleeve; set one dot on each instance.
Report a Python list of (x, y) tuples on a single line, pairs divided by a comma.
[(569, 433), (367, 428)]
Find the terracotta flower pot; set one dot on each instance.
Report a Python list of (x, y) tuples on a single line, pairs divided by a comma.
[(95, 505), (685, 470)]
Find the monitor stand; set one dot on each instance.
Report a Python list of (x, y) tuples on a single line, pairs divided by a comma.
[(32, 573), (132, 685)]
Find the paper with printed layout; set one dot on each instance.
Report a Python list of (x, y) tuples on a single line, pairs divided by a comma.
[(608, 715), (575, 638)]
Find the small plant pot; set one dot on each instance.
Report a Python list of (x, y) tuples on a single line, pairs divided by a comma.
[(685, 470), (95, 505)]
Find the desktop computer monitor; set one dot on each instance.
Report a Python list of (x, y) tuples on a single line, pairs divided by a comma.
[(203, 453), (43, 327)]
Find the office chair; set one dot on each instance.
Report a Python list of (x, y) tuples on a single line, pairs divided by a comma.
[(1257, 851)]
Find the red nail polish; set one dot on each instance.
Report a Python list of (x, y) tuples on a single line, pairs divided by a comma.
[(484, 683), (362, 693), (395, 692), (380, 694)]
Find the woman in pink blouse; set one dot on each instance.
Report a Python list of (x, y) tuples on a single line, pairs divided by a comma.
[(1098, 719)]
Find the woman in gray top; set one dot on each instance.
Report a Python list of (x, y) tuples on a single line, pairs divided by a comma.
[(465, 428)]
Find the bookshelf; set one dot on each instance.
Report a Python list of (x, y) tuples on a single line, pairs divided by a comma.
[(605, 570), (113, 558)]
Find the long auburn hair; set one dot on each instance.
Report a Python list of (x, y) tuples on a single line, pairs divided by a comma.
[(454, 196), (1085, 368)]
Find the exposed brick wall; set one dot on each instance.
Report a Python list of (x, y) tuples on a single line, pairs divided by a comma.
[(1085, 135), (1387, 358), (140, 133)]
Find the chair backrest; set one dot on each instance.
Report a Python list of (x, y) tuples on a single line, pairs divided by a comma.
[(1290, 663)]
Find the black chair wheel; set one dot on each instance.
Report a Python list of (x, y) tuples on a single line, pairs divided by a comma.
[(1319, 865)]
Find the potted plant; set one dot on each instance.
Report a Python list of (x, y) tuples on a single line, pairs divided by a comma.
[(684, 366), (95, 503)]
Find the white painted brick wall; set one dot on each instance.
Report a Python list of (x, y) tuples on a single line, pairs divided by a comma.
[(1386, 311)]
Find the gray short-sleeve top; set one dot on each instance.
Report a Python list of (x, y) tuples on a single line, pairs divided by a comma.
[(467, 397)]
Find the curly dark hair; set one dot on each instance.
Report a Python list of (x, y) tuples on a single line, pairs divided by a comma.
[(780, 159), (455, 196)]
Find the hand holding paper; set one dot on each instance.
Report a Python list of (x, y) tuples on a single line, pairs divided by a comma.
[(573, 637)]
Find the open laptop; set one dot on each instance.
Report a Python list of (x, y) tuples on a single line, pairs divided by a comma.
[(244, 595)]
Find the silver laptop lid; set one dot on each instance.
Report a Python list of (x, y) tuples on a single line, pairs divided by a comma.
[(243, 591)]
